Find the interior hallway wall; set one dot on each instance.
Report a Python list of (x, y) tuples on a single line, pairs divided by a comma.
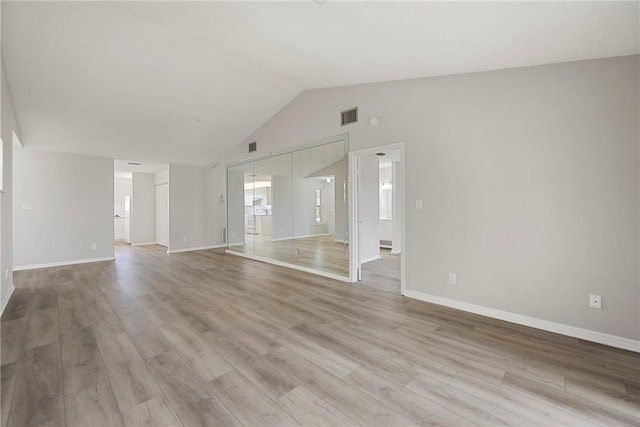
[(196, 216), (143, 209), (63, 205), (8, 125)]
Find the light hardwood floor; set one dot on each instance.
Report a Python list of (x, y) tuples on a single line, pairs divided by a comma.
[(207, 338), (384, 273)]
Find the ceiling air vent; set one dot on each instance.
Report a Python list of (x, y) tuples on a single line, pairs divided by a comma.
[(349, 116), (253, 146)]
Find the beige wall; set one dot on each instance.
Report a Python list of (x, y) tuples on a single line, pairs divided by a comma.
[(529, 178)]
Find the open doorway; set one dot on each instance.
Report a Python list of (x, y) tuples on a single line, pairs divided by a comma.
[(377, 217), (141, 203), (122, 190)]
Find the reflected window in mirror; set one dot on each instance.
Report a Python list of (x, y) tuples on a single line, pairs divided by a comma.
[(318, 207)]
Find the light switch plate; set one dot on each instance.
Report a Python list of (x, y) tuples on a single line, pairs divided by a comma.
[(418, 204)]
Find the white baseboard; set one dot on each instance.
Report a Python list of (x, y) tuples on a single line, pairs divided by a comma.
[(340, 241), (373, 258), (144, 244), (7, 297), (61, 263), (304, 236), (545, 325), (292, 266), (198, 248)]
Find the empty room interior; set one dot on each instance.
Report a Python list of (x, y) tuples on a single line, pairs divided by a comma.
[(320, 213)]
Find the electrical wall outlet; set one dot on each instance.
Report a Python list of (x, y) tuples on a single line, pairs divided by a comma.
[(418, 204), (184, 238), (595, 301), (93, 246), (453, 279)]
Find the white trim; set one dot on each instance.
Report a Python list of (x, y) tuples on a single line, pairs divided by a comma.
[(299, 237), (7, 298), (545, 325), (373, 258), (61, 263), (144, 244), (197, 248), (292, 266), (343, 241)]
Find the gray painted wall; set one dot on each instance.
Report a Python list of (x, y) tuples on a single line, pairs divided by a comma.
[(72, 207), (143, 209), (369, 208), (529, 178), (8, 125), (194, 208)]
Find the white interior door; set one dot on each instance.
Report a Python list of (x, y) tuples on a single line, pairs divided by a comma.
[(162, 214)]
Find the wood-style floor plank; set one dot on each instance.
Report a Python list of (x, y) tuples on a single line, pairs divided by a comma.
[(43, 328), (37, 398), (145, 336), (9, 375), (206, 338), (309, 410), (413, 406), (204, 361), (19, 305), (192, 399), (153, 413), (129, 376), (94, 406), (247, 403), (71, 310), (82, 365), (359, 406), (12, 342)]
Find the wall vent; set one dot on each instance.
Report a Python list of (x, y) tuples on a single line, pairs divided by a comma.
[(349, 116), (253, 146)]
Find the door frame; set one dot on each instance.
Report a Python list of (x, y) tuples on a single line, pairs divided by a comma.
[(355, 267)]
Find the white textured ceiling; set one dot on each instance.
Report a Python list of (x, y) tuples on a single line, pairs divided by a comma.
[(182, 82)]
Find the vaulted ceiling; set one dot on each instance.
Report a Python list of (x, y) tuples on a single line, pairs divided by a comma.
[(184, 82)]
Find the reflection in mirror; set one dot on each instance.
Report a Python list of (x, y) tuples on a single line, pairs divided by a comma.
[(238, 216), (320, 212), (272, 241), (292, 208)]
